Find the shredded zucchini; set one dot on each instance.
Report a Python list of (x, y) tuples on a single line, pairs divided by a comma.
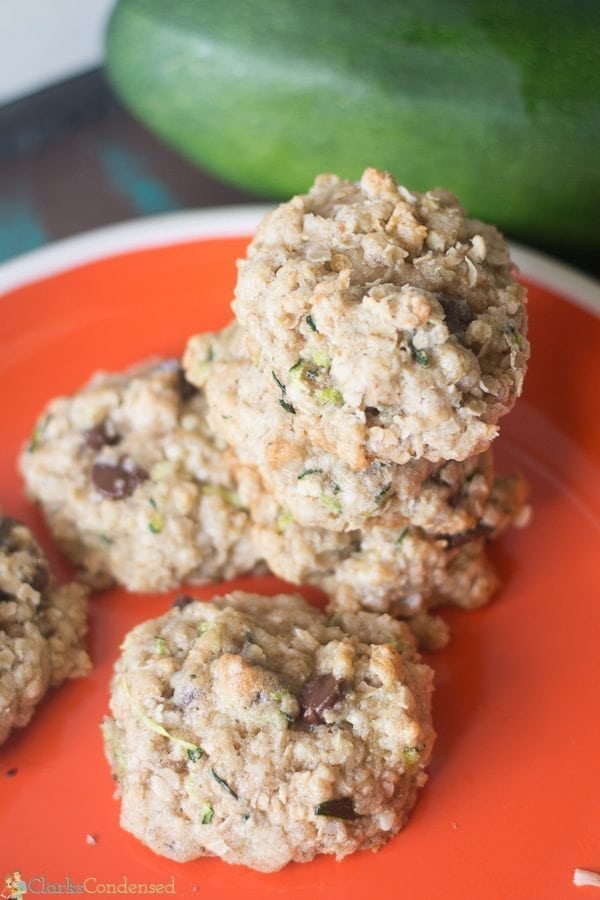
[(330, 396), (158, 728)]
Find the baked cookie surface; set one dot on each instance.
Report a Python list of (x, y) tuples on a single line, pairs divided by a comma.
[(316, 487), (134, 486), (403, 571), (254, 729), (42, 627), (391, 321)]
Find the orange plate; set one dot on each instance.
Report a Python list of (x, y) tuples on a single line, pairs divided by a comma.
[(514, 793)]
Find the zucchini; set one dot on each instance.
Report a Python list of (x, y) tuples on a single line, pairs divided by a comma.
[(500, 102)]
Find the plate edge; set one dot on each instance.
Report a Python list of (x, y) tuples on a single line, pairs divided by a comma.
[(230, 221)]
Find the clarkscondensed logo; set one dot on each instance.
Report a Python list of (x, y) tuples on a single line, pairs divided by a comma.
[(16, 886)]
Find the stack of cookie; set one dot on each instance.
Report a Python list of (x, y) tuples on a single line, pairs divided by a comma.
[(339, 430), (380, 336)]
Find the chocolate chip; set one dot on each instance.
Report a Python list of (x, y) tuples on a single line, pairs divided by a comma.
[(453, 498), (103, 434), (7, 524), (40, 578), (186, 389), (465, 537), (340, 808), (182, 601), (457, 312), (318, 695), (6, 595), (117, 480)]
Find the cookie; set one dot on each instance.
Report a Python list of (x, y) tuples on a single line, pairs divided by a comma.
[(253, 729), (403, 571), (134, 487), (316, 487), (390, 320), (42, 627)]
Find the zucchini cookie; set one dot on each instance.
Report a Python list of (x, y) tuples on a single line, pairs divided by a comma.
[(42, 627), (391, 321), (403, 571), (317, 488), (253, 729), (134, 487)]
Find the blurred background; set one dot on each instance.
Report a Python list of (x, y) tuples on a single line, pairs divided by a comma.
[(73, 158)]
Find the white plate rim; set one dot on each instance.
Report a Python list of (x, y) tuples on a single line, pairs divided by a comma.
[(239, 221)]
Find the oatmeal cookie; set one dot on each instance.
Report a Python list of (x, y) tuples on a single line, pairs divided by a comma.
[(134, 486), (42, 627), (402, 571), (254, 729), (316, 487), (391, 321)]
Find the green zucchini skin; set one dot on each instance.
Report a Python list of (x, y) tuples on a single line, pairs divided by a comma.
[(499, 100)]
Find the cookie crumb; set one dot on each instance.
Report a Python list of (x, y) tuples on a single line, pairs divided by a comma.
[(585, 878), (91, 840)]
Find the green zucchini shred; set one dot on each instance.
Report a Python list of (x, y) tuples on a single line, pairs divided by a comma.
[(278, 382), (411, 755), (330, 396), (331, 503), (156, 726), (401, 536), (284, 519), (222, 783), (156, 523), (161, 648), (196, 754), (226, 494), (420, 356), (37, 434), (382, 495), (308, 472)]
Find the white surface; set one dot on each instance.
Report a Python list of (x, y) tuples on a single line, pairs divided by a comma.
[(44, 41), (178, 227)]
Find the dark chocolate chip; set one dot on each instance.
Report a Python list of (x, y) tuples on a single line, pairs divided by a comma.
[(186, 389), (40, 578), (453, 498), (7, 525), (340, 808), (6, 595), (103, 434), (465, 537), (457, 312), (182, 601), (318, 695), (117, 480)]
